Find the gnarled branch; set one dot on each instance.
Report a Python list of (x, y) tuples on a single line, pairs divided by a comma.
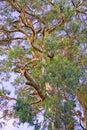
[(31, 82)]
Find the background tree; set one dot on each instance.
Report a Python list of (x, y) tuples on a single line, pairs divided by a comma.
[(45, 44)]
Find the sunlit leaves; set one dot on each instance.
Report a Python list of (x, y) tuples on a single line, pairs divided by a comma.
[(15, 53)]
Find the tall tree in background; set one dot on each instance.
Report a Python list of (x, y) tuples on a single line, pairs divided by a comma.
[(45, 43)]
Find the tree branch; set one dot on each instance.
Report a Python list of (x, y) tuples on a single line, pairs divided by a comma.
[(31, 82), (7, 97), (73, 3), (55, 26), (35, 102), (27, 22), (50, 1), (76, 114)]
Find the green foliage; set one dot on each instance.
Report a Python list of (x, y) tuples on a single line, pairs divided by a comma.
[(23, 111), (40, 23), (53, 109), (61, 72), (68, 12), (75, 27), (1, 93), (19, 80), (36, 69), (15, 52), (22, 2), (51, 15), (50, 43), (68, 120), (8, 20)]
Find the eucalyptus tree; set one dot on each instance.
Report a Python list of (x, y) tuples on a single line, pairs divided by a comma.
[(45, 45)]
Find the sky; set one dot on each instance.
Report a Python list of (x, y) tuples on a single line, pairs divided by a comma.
[(9, 123), (21, 127)]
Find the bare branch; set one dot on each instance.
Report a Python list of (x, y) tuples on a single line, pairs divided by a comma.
[(35, 102), (12, 3), (76, 114), (73, 2), (36, 17), (50, 1), (31, 82), (27, 22), (55, 26), (34, 84), (7, 97)]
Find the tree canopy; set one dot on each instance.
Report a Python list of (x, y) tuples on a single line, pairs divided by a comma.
[(45, 43)]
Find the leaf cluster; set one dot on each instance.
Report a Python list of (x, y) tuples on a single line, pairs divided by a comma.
[(23, 111)]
